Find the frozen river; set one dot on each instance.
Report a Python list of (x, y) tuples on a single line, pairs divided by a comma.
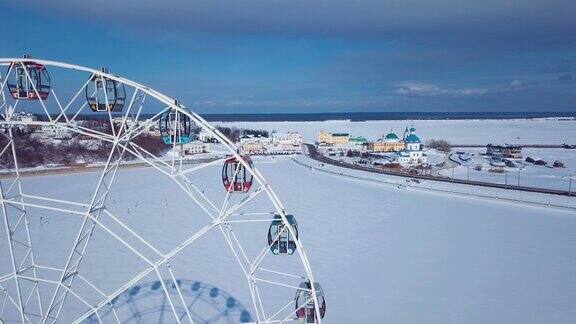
[(382, 254), (523, 131)]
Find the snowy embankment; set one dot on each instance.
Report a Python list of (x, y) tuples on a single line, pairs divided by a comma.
[(382, 253)]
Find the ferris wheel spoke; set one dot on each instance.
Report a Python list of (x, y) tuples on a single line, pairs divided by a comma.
[(80, 245), (4, 301), (21, 205), (11, 109), (63, 110), (146, 124), (149, 158), (132, 232), (185, 184), (244, 202), (200, 193), (81, 108), (249, 221), (254, 294), (201, 200), (293, 313), (190, 305), (8, 145), (67, 202), (13, 302), (282, 273), (179, 183), (167, 295), (176, 285), (259, 298), (263, 253), (128, 110), (278, 284), (202, 166), (64, 287), (243, 261), (6, 277), (150, 269), (59, 105)]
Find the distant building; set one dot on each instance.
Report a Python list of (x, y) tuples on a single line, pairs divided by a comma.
[(411, 140), (507, 150), (23, 116), (358, 140), (287, 139), (129, 123), (206, 137), (389, 143), (285, 143), (333, 138), (254, 144), (55, 131), (412, 153), (195, 147)]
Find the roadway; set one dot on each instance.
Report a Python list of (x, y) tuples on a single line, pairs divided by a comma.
[(314, 154)]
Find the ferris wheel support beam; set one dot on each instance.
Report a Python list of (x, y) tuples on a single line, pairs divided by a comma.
[(63, 110), (18, 232), (85, 233), (167, 295)]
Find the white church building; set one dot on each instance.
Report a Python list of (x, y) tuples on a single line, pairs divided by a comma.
[(412, 153)]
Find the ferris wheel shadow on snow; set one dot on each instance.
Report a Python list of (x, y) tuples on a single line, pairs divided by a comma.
[(147, 303)]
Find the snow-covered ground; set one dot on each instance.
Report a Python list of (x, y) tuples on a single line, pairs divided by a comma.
[(527, 131), (383, 253)]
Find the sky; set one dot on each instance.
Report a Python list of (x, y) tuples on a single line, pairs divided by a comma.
[(309, 56)]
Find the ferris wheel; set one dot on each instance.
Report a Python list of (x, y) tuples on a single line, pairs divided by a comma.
[(219, 207)]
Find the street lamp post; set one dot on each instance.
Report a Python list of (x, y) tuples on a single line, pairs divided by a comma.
[(452, 184)]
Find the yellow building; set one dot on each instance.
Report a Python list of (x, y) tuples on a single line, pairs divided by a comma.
[(390, 143), (254, 144), (333, 138)]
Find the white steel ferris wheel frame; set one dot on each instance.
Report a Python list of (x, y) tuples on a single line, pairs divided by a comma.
[(24, 267)]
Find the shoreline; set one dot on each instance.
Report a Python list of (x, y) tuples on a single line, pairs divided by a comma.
[(85, 169), (345, 117)]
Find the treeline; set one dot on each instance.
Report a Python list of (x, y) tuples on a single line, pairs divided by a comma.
[(440, 145), (33, 152), (234, 133)]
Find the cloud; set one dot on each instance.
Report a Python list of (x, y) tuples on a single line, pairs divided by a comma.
[(566, 78), (420, 90), (514, 85), (423, 90)]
